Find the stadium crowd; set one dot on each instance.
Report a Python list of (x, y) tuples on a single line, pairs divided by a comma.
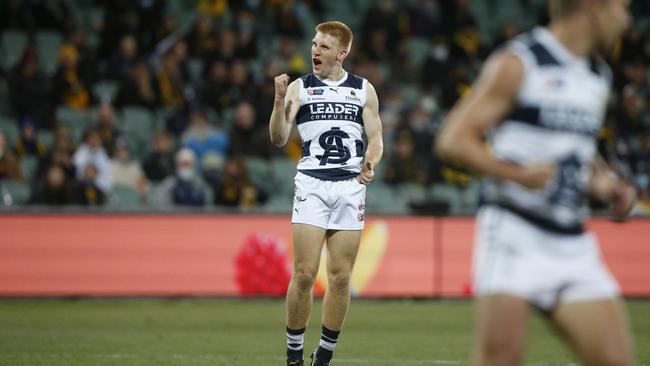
[(165, 102)]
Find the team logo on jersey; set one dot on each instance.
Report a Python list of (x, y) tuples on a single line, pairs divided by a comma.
[(352, 97), (318, 91), (334, 152)]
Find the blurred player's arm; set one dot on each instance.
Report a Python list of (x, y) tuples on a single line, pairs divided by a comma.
[(372, 127), (285, 109), (492, 97), (606, 186)]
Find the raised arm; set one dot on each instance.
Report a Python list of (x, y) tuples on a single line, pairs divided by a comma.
[(372, 126), (285, 109), (492, 97)]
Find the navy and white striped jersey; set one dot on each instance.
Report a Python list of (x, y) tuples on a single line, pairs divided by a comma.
[(330, 122), (560, 109)]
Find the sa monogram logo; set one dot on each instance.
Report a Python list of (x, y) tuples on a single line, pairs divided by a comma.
[(332, 142)]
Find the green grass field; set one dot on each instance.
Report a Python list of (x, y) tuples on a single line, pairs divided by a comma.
[(251, 332)]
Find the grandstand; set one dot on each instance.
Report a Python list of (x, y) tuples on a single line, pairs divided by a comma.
[(208, 57)]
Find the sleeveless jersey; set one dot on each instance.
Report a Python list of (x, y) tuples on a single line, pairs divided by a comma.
[(560, 108), (330, 124)]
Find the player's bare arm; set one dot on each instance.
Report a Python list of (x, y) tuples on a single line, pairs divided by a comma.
[(492, 97), (285, 109), (606, 186), (372, 126)]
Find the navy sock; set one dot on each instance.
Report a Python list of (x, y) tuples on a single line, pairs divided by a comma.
[(295, 342), (328, 339)]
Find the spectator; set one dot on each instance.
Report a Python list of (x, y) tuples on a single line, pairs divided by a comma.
[(28, 142), (202, 39), (138, 88), (15, 14), (404, 166), (59, 156), (382, 15), (53, 15), (53, 189), (170, 81), (86, 190), (234, 189), (241, 85), (159, 164), (69, 86), (126, 171), (186, 187), (92, 153), (9, 164), (126, 57), (202, 138), (286, 20), (246, 137), (30, 91), (245, 25), (214, 90), (106, 128)]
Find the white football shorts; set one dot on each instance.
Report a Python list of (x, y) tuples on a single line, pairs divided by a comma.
[(515, 257), (331, 205)]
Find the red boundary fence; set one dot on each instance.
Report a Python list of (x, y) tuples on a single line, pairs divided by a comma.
[(200, 255)]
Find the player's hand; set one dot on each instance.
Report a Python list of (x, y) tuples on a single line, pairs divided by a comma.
[(536, 176), (281, 83), (367, 173), (623, 200)]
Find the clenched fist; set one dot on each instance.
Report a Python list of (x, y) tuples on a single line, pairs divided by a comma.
[(281, 83)]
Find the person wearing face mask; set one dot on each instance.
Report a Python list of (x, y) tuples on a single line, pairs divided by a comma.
[(185, 187)]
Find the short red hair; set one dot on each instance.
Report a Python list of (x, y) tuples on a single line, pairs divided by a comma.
[(338, 30)]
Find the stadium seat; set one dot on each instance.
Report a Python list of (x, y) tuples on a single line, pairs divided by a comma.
[(47, 137), (10, 129), (382, 198), (29, 164), (48, 44), (76, 120), (284, 170), (13, 43), (138, 125), (106, 89), (259, 171), (418, 49), (279, 204), (124, 197), (195, 66), (18, 192)]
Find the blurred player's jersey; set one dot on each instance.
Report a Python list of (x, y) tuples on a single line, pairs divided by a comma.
[(330, 123), (560, 109)]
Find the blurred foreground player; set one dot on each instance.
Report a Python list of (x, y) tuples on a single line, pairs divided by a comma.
[(541, 100)]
